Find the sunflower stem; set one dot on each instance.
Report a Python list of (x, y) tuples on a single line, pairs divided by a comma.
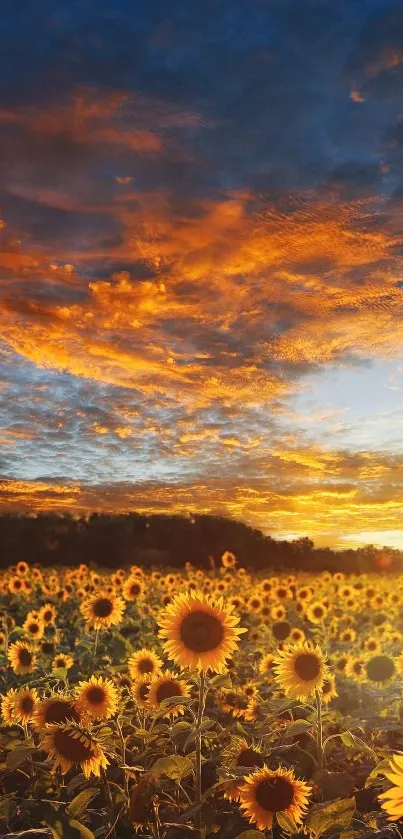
[(199, 720), (319, 729)]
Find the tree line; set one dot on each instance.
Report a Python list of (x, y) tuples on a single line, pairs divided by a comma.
[(119, 540)]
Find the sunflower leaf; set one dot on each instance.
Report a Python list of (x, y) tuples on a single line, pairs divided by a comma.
[(287, 823), (333, 814), (80, 803), (250, 834), (17, 756), (352, 741), (64, 827), (175, 767)]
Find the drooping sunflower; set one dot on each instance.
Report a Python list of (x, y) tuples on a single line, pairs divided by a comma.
[(300, 670), (133, 588), (392, 799), (140, 689), (69, 744), (240, 753), (267, 792), (103, 610), (59, 708), (329, 690), (380, 668), (97, 698), (142, 662), (22, 658), (7, 706), (164, 686), (281, 630), (62, 661), (199, 633), (24, 705)]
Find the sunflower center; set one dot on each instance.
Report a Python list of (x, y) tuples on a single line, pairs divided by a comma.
[(380, 668), (96, 695), (145, 665), (60, 711), (248, 757), (47, 616), (25, 657), (33, 628), (27, 704), (60, 662), (275, 794), (135, 589), (201, 632), (48, 647), (307, 666), (102, 607), (166, 690), (318, 612), (72, 748)]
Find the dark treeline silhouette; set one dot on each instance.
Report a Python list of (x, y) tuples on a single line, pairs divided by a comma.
[(119, 540)]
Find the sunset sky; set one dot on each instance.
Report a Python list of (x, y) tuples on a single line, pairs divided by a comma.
[(201, 262)]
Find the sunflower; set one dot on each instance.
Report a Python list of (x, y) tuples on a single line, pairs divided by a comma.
[(266, 664), (372, 645), (7, 706), (392, 799), (228, 559), (144, 662), (59, 708), (139, 690), (240, 753), (133, 589), (48, 613), (355, 668), (97, 698), (16, 586), (22, 658), (24, 704), (102, 610), (278, 613), (348, 636), (62, 661), (380, 668), (34, 627), (297, 635), (22, 568), (234, 702), (329, 690), (198, 632), (316, 612), (250, 689), (164, 686), (69, 744), (300, 670), (267, 792), (341, 663)]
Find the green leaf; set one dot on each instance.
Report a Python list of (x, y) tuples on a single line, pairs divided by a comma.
[(8, 807), (380, 769), (171, 701), (296, 728), (351, 740), (17, 756), (64, 827), (222, 681), (175, 767), (80, 803), (333, 814), (60, 673), (287, 823)]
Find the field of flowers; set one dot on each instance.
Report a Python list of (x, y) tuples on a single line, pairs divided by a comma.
[(171, 705)]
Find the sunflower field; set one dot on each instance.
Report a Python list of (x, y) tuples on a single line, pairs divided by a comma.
[(173, 705)]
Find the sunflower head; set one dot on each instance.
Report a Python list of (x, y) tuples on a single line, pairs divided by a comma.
[(140, 689), (62, 661), (167, 685), (59, 708), (380, 668), (267, 792), (300, 670), (103, 610), (144, 662), (199, 633), (69, 744), (25, 702), (22, 657), (240, 753), (391, 799), (97, 698)]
